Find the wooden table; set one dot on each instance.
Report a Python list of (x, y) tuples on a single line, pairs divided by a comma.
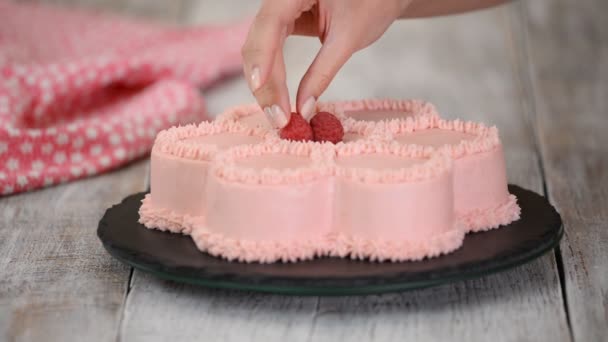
[(537, 69)]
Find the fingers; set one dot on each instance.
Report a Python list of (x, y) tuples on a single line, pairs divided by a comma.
[(260, 48), (273, 96), (263, 62), (307, 24), (327, 63)]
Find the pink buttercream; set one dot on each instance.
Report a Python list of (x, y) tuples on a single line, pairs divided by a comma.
[(262, 242), (480, 182), (332, 244), (426, 167), (394, 250), (227, 165), (482, 138), (491, 218), (163, 219), (182, 141), (405, 187), (259, 251), (323, 160), (407, 108), (336, 245), (180, 159)]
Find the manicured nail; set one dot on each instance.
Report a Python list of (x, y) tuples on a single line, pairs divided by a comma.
[(269, 116), (308, 108), (255, 81), (278, 118)]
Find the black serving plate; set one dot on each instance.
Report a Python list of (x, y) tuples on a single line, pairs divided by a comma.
[(175, 257)]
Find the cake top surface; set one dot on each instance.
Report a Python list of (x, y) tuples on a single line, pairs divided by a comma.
[(205, 140), (385, 141)]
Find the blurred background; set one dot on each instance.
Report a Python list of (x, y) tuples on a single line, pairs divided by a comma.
[(537, 69), (503, 66), (451, 61)]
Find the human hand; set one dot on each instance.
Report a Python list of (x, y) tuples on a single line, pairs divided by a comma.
[(343, 26)]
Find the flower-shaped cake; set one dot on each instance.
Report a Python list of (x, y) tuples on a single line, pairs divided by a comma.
[(404, 185)]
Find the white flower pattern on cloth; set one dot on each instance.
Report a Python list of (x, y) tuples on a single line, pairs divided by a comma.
[(83, 93)]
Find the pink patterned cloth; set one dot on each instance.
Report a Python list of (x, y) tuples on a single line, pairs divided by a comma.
[(83, 93)]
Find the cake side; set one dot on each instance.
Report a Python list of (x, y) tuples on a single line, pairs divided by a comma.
[(268, 202), (179, 162), (298, 200), (392, 204), (481, 196)]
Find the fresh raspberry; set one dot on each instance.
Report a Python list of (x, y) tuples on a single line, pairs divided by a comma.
[(297, 129), (326, 127)]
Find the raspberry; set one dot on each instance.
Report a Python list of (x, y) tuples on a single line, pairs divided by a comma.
[(326, 127), (297, 129)]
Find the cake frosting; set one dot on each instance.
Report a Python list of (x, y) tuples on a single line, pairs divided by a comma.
[(180, 159), (353, 114), (376, 110), (403, 185), (482, 200)]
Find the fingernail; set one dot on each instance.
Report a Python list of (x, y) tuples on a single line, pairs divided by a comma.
[(254, 81), (276, 116), (308, 108), (269, 116)]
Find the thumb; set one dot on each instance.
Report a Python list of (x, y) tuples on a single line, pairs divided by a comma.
[(331, 57)]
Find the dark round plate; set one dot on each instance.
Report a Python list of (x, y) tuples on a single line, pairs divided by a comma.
[(175, 256)]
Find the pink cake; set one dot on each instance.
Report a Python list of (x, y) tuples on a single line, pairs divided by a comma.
[(482, 200), (404, 185)]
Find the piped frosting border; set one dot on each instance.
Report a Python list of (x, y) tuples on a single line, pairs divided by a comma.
[(163, 219), (323, 163), (226, 165), (332, 244), (174, 141), (412, 107), (337, 245), (486, 138), (491, 218), (433, 165)]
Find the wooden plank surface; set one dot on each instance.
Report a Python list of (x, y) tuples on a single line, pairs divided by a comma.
[(467, 66), (568, 51), (57, 283)]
